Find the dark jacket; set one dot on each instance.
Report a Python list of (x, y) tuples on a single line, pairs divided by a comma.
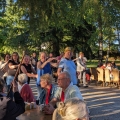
[(11, 109)]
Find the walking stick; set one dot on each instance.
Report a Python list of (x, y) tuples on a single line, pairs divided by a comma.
[(16, 74)]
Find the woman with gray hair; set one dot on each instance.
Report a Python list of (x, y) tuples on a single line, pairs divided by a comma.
[(24, 88), (72, 109), (49, 89)]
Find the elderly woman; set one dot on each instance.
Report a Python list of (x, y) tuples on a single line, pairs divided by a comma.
[(9, 109), (72, 109), (48, 89), (27, 68), (43, 67), (24, 88)]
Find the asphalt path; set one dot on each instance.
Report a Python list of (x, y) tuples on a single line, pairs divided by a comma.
[(103, 102)]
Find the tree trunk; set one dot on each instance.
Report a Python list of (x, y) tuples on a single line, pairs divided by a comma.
[(100, 38), (56, 47)]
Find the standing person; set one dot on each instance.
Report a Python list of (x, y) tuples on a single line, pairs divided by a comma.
[(50, 55), (27, 68), (4, 66), (34, 61), (12, 68), (9, 109), (66, 64), (53, 69), (81, 68), (43, 67)]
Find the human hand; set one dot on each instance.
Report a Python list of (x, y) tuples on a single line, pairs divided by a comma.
[(36, 76), (50, 59), (48, 109), (15, 86)]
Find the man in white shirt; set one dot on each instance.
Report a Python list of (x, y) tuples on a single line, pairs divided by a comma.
[(81, 68), (66, 91)]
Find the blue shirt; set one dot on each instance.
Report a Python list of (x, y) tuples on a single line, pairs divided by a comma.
[(70, 67), (40, 72)]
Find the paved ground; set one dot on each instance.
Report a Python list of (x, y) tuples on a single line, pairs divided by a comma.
[(103, 102)]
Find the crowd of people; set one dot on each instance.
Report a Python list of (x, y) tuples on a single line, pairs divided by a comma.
[(108, 65), (57, 81)]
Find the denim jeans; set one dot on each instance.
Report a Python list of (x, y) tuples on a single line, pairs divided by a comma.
[(39, 89), (9, 80)]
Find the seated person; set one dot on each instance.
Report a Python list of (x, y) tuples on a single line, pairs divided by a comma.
[(49, 89), (103, 66), (24, 88), (113, 65), (100, 64), (9, 109), (109, 67), (72, 109), (66, 91)]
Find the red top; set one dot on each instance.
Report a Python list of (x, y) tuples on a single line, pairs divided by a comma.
[(62, 96), (48, 95), (26, 94)]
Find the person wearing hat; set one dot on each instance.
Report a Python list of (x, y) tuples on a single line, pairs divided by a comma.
[(66, 64)]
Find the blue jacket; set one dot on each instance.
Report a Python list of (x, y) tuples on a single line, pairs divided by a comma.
[(43, 94)]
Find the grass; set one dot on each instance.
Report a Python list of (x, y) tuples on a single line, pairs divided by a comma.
[(94, 63)]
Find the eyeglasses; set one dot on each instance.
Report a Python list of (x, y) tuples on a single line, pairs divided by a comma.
[(14, 55), (62, 78)]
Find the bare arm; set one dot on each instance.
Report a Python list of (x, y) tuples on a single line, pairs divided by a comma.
[(40, 66), (23, 69), (33, 71), (11, 66), (75, 59), (54, 64)]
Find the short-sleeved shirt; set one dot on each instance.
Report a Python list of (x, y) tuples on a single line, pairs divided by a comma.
[(71, 91), (70, 67)]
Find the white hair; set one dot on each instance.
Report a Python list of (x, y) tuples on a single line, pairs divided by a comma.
[(72, 109), (67, 74), (22, 78)]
